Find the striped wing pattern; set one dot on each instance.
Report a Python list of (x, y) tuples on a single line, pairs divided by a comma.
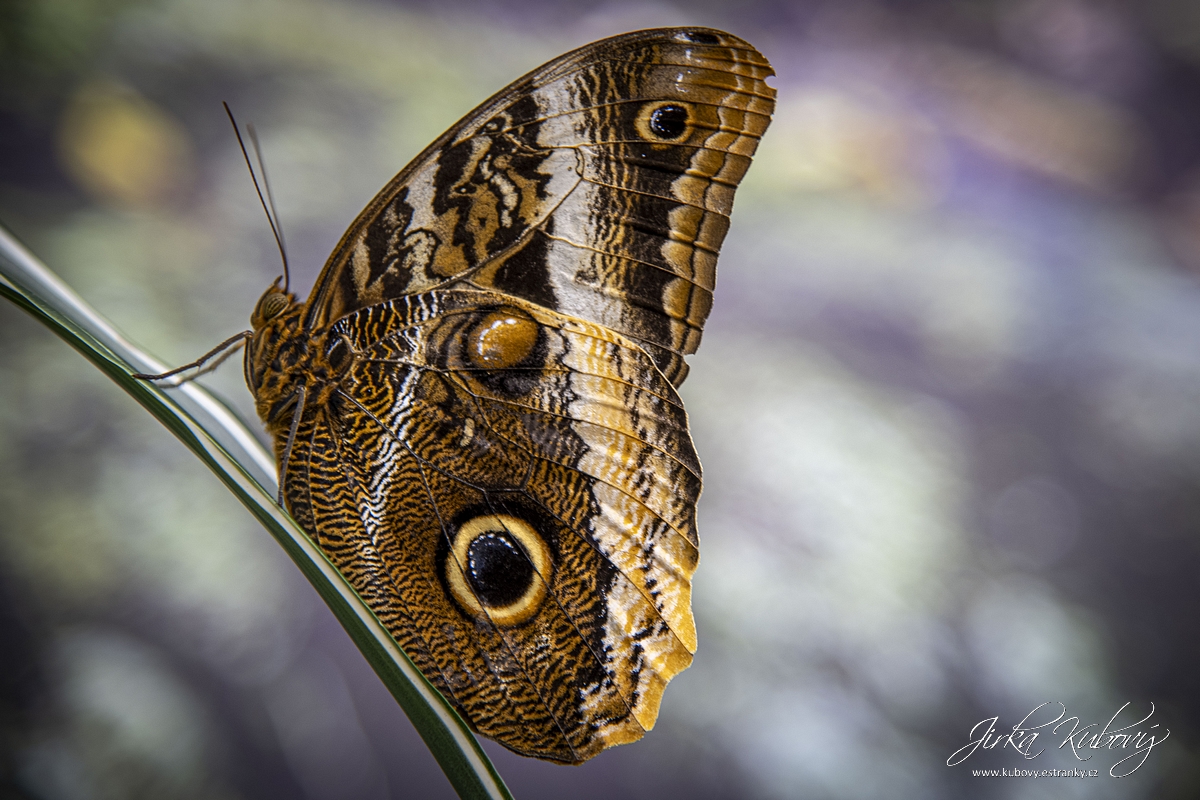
[(476, 414)]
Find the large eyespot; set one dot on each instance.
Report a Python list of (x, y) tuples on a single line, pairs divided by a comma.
[(663, 121), (502, 339), (498, 568)]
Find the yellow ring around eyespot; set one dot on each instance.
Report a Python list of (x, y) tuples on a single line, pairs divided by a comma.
[(642, 122), (530, 541), (502, 339)]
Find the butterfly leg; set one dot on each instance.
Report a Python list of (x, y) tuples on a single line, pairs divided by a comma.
[(225, 349), (297, 414)]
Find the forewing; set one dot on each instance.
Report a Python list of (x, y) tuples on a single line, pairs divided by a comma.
[(571, 431), (599, 186)]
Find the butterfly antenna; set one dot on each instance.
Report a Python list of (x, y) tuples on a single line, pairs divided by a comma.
[(269, 210), (277, 227)]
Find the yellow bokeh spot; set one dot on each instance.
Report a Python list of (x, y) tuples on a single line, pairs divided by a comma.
[(122, 148)]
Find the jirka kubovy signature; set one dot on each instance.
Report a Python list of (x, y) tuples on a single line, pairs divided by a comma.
[(1081, 738)]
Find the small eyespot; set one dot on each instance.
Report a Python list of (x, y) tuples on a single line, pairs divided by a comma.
[(663, 122), (502, 339)]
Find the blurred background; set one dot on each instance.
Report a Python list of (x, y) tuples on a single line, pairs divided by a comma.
[(947, 400)]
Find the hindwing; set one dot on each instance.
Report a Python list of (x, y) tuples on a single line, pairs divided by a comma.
[(583, 448)]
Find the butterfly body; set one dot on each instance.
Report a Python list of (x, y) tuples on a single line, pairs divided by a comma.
[(475, 413)]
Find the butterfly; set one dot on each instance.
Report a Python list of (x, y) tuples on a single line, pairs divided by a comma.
[(475, 413)]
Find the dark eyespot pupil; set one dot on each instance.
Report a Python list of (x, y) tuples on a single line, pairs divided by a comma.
[(701, 38), (498, 571), (669, 122)]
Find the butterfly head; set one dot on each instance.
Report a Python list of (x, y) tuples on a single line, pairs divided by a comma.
[(276, 349)]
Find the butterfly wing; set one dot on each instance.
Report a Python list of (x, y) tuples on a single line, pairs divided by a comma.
[(527, 531), (491, 447), (599, 185)]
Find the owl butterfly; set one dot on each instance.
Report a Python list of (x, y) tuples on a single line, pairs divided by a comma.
[(475, 413)]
